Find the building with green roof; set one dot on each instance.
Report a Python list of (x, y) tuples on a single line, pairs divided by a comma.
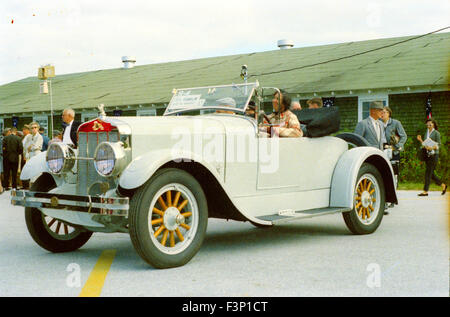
[(402, 72)]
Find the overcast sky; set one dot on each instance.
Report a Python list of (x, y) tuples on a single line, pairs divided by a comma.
[(78, 36)]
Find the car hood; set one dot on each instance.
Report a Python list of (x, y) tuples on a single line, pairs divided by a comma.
[(166, 131)]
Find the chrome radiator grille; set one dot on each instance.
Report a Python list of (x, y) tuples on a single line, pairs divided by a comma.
[(87, 175)]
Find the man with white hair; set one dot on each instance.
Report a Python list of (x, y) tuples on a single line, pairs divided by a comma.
[(71, 128)]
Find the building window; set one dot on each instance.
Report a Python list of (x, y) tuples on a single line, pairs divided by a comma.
[(146, 112), (87, 116), (364, 104)]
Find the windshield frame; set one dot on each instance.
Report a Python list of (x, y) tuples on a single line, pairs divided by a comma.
[(253, 87)]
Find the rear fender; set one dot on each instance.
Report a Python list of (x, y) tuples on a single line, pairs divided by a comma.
[(346, 171)]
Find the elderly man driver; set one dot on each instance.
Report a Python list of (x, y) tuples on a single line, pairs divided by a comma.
[(70, 130)]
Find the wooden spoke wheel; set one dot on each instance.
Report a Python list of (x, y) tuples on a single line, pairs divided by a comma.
[(369, 199), (57, 228), (366, 199), (52, 234), (173, 217), (168, 218)]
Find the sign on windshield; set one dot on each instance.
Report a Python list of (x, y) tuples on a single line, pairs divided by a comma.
[(229, 97)]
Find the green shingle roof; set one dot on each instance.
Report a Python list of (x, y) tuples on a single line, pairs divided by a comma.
[(414, 63)]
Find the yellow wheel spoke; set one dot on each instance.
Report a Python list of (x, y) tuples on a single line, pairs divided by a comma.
[(186, 214), (360, 212), (157, 221), (371, 208), (157, 211), (358, 198), (182, 205), (358, 205), (372, 191), (364, 184), (374, 200), (169, 198), (179, 235), (369, 185), (185, 226), (177, 197), (164, 238), (158, 232), (172, 239), (368, 212), (364, 213), (162, 203)]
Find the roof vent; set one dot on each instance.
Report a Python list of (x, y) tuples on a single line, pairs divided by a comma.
[(285, 44), (128, 61)]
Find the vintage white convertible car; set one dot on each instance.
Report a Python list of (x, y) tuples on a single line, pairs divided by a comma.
[(160, 178)]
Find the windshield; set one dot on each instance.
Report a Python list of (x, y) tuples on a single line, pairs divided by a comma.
[(230, 98)]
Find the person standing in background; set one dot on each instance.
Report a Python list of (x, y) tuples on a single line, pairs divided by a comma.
[(26, 141), (432, 158), (12, 149), (36, 141), (371, 128), (71, 128), (1, 162), (44, 138), (395, 138)]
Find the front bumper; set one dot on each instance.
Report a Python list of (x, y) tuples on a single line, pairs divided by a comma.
[(92, 205)]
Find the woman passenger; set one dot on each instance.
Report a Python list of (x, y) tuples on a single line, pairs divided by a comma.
[(287, 122)]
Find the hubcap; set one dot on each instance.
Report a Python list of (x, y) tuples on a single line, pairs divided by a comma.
[(172, 218)]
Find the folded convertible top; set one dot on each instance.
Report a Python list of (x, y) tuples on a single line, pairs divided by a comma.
[(319, 122)]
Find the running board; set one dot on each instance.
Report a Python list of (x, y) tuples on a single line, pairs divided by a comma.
[(289, 216)]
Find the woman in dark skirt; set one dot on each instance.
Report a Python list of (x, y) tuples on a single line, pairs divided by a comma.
[(432, 156)]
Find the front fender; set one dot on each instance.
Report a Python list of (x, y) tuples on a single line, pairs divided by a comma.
[(37, 165), (34, 166), (346, 171), (144, 166)]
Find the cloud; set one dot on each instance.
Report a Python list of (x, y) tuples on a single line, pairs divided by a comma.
[(78, 36)]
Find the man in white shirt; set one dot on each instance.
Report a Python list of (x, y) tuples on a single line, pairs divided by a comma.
[(370, 128), (70, 130)]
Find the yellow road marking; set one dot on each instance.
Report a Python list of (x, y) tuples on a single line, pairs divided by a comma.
[(94, 284)]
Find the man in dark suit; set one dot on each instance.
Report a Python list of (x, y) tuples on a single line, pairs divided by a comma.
[(12, 148), (371, 128), (71, 127)]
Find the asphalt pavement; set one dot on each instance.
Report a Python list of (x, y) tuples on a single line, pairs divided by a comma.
[(407, 256)]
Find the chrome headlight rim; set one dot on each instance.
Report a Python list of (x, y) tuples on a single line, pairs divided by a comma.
[(68, 157), (118, 158)]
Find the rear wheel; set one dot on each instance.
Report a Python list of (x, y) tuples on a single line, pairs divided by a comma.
[(50, 233), (368, 202), (168, 218)]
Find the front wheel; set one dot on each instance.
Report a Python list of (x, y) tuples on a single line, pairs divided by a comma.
[(168, 218), (50, 233), (368, 201)]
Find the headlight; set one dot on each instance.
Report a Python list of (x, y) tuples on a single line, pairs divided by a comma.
[(109, 158), (60, 158)]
